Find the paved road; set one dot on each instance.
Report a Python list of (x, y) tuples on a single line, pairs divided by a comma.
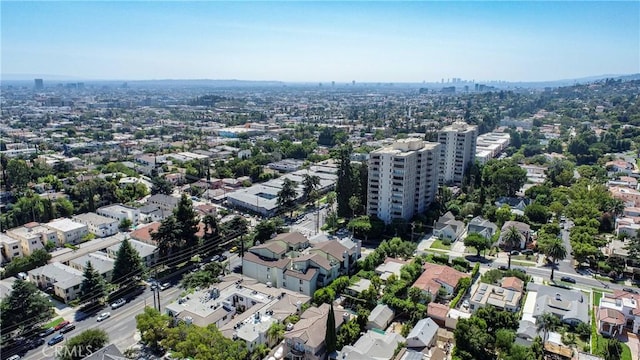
[(308, 223), (121, 326), (566, 265)]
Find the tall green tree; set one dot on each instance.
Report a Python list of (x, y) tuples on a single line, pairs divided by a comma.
[(127, 265), (331, 337), (310, 184), (479, 242), (287, 196), (18, 174), (83, 344), (212, 227), (503, 177), (613, 349), (344, 185), (93, 287), (187, 220), (153, 326), (23, 308), (555, 251), (161, 185), (167, 237)]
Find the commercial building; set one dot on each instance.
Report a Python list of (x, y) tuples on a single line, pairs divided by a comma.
[(403, 179), (457, 151), (100, 226), (68, 231)]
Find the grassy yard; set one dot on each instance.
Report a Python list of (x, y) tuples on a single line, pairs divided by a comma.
[(522, 263), (597, 295), (53, 323), (439, 245)]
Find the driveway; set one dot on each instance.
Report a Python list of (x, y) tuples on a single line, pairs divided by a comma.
[(634, 345)]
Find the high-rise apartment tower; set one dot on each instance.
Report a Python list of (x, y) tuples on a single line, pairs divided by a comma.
[(403, 179), (457, 151)]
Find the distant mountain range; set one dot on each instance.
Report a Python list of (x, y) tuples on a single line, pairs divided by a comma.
[(6, 79)]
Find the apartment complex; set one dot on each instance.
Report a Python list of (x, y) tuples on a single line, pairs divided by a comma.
[(67, 230), (403, 179), (457, 151), (99, 225), (32, 236)]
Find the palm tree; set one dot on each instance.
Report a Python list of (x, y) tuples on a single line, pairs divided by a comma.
[(511, 240), (545, 323), (275, 332), (555, 251)]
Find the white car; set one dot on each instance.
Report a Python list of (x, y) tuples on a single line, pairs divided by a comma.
[(465, 304), (104, 316)]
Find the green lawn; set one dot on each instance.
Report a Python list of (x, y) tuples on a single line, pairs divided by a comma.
[(522, 263), (597, 295), (626, 352), (53, 323), (439, 245)]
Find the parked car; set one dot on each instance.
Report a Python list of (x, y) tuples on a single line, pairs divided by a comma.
[(233, 249), (14, 357), (630, 290), (165, 286), (527, 252), (502, 267), (465, 304), (223, 258), (34, 343), (67, 328), (56, 339), (47, 332), (103, 316), (215, 258), (118, 303), (568, 279), (515, 252), (61, 325)]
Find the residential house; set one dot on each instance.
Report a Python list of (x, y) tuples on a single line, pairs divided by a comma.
[(436, 277), (100, 262), (620, 166), (306, 340), (68, 231), (10, 248), (423, 335), (447, 227), (512, 283), (496, 296), (380, 317), (120, 212), (630, 197), (482, 226), (618, 312), (148, 253), (166, 203), (360, 286), (516, 204), (373, 345), (628, 226), (624, 181), (523, 229), (152, 213), (33, 236), (100, 226), (241, 308), (143, 234), (64, 280), (287, 261), (570, 306), (390, 266), (438, 312)]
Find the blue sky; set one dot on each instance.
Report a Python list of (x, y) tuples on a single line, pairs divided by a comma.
[(321, 41)]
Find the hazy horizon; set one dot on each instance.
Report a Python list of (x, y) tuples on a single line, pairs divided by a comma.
[(321, 41)]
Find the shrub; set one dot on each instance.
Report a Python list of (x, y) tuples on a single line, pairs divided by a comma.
[(446, 242)]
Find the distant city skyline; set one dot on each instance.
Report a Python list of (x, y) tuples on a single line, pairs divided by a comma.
[(321, 41)]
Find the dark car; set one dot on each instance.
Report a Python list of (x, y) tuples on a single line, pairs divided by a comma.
[(568, 279), (502, 267), (56, 339), (67, 328), (223, 258), (630, 290), (47, 332), (35, 343), (215, 258), (61, 325)]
